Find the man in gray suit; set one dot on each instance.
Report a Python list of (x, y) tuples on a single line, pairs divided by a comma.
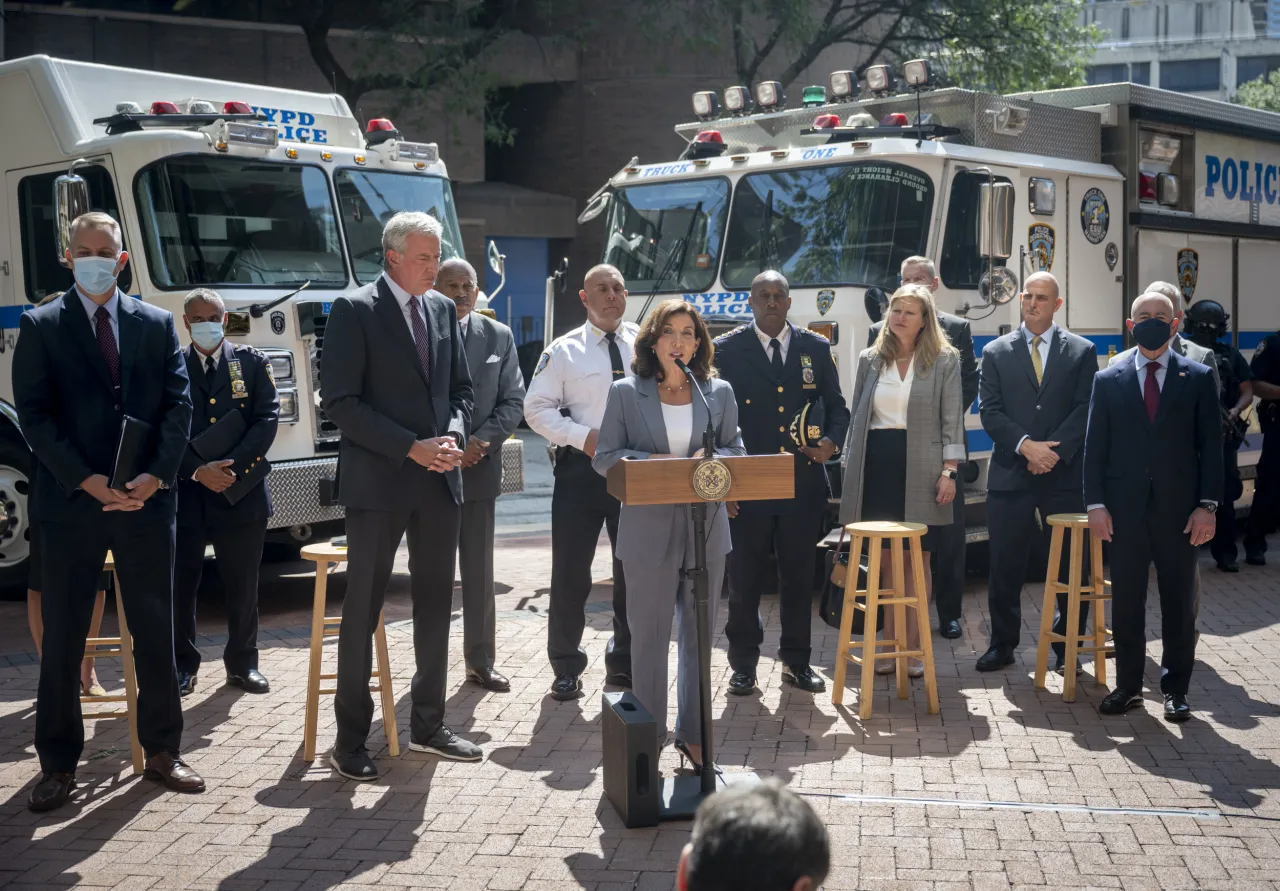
[(499, 406), (395, 381)]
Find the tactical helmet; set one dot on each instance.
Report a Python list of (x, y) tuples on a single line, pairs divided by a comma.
[(1207, 318)]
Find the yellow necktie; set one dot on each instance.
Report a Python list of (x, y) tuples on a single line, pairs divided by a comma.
[(1035, 358)]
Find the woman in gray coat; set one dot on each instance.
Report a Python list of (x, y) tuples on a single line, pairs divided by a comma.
[(906, 435), (652, 416)]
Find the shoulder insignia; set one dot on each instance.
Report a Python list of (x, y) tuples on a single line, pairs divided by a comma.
[(821, 337), (729, 334), (631, 326), (543, 361)]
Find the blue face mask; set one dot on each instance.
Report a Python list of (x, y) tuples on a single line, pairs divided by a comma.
[(206, 335), (95, 275)]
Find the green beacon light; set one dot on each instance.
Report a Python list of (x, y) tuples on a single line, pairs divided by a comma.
[(815, 95)]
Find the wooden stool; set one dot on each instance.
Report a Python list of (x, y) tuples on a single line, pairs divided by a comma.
[(1073, 639), (875, 534), (122, 646), (323, 626)]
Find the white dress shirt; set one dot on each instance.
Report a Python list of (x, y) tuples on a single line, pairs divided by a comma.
[(892, 393), (575, 374), (679, 422), (113, 311), (402, 297), (465, 323), (1043, 350), (216, 357), (784, 341)]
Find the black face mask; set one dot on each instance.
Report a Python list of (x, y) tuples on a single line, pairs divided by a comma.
[(1152, 334)]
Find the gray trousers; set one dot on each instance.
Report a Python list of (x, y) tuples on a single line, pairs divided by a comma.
[(475, 560), (656, 592)]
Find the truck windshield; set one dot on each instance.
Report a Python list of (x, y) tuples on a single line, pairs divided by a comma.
[(678, 223), (238, 221), (847, 224), (368, 199)]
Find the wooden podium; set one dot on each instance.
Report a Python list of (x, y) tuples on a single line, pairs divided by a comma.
[(671, 481)]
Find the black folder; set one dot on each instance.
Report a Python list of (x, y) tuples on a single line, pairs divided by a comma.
[(218, 442), (131, 452)]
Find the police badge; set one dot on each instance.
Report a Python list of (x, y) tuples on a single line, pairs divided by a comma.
[(1041, 240), (806, 373), (238, 389), (1188, 272), (826, 298)]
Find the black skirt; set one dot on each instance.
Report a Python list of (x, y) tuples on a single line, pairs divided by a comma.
[(884, 479)]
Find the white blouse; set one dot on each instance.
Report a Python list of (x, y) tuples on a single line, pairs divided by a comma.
[(889, 402), (679, 422)]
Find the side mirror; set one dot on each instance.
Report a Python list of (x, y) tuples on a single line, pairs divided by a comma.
[(595, 207), (876, 301), (70, 200), (498, 263), (995, 220), (998, 286)]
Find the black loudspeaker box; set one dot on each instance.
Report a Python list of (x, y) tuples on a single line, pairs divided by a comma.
[(630, 740)]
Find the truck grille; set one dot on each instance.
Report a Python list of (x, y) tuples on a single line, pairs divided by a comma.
[(312, 319)]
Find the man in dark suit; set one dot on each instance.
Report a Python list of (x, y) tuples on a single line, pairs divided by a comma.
[(1036, 383), (1152, 482), (395, 381), (83, 364), (775, 368), (947, 558), (499, 406), (225, 378)]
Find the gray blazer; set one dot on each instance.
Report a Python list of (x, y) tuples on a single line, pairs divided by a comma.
[(499, 401), (935, 433), (633, 427)]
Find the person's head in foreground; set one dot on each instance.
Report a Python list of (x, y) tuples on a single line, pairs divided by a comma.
[(755, 838)]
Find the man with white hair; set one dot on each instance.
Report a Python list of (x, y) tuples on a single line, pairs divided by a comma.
[(394, 379), (1152, 483)]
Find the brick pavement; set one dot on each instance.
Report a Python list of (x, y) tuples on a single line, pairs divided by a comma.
[(531, 816)]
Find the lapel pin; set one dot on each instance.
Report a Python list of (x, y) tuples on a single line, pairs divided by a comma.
[(1182, 374)]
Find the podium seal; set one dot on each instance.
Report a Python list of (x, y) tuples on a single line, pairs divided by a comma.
[(712, 479)]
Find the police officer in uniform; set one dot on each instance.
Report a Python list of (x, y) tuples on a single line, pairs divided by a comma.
[(1207, 326), (775, 368), (1265, 367), (565, 404), (224, 378)]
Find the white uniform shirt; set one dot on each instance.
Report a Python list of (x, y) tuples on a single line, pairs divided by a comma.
[(784, 341), (574, 373), (892, 393)]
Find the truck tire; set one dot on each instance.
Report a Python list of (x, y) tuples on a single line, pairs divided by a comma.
[(15, 521)]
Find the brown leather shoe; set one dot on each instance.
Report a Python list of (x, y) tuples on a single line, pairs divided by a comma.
[(52, 792), (169, 768)]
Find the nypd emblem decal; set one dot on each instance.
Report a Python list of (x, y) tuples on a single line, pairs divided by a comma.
[(542, 363), (1095, 216), (277, 322), (1188, 272), (826, 298), (1041, 240)]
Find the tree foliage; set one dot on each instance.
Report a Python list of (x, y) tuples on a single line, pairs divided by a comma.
[(1263, 93), (1004, 45)]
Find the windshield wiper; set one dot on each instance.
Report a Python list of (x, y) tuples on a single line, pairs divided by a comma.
[(675, 262), (766, 234), (258, 310)]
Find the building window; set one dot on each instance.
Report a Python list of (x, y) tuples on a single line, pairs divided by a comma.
[(1108, 74), (1253, 67), (1192, 76), (1140, 73), (1124, 23)]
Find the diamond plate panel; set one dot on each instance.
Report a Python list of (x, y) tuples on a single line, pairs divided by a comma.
[(512, 466), (1158, 100), (295, 492)]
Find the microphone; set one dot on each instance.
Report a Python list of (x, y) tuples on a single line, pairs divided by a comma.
[(708, 438)]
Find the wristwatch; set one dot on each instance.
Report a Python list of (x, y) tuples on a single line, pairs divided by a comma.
[(1210, 506), (949, 473)]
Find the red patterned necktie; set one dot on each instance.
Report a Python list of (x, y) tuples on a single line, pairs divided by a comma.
[(107, 343), (1151, 391), (420, 337)]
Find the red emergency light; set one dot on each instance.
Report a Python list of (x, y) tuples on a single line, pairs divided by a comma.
[(377, 125), (896, 119), (826, 122), (234, 107), (164, 108), (709, 136), (379, 130), (1146, 187)]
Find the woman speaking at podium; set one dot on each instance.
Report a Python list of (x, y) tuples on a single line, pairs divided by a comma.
[(651, 416)]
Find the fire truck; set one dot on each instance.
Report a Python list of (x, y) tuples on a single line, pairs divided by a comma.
[(275, 198), (1108, 187)]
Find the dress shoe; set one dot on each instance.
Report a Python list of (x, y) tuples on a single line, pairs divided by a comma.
[(1176, 709), (52, 792), (803, 677), (448, 744), (1119, 701), (742, 683), (356, 766), (170, 769), (251, 681), (489, 679), (566, 687), (1256, 560), (951, 629), (1060, 667), (186, 683), (1228, 566), (995, 659), (618, 679)]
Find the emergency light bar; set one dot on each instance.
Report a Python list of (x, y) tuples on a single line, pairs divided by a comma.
[(378, 131), (880, 79), (130, 122), (738, 100)]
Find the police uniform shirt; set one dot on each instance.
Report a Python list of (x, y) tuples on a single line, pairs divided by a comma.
[(1240, 372), (575, 374), (784, 341)]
